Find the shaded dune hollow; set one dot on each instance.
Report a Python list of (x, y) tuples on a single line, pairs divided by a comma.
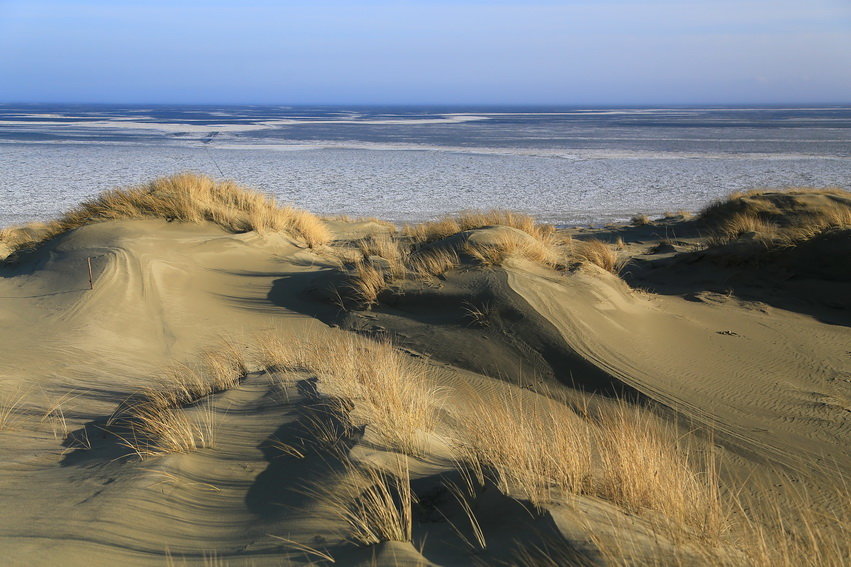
[(244, 383)]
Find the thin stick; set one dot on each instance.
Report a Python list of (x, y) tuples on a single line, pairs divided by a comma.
[(91, 279)]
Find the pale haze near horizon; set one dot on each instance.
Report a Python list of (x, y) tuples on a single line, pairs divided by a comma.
[(426, 52)]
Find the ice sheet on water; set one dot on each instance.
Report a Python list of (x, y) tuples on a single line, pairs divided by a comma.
[(563, 165)]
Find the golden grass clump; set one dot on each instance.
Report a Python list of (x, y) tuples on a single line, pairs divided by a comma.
[(9, 406), (537, 446), (597, 252), (159, 430), (279, 352), (384, 259), (437, 230), (412, 255), (374, 503), (385, 246), (194, 198), (365, 282), (26, 236), (344, 256), (433, 261), (498, 248), (545, 451), (644, 465), (763, 533), (814, 224), (219, 369), (160, 419), (640, 220), (800, 534), (740, 224), (431, 231), (225, 366), (390, 391), (186, 197), (779, 218)]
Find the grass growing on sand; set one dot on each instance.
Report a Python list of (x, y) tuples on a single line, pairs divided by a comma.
[(622, 454), (384, 246), (626, 455), (378, 387), (777, 218), (541, 449), (390, 391), (640, 220), (365, 282), (431, 249), (158, 430), (185, 197), (645, 465), (447, 226), (771, 536), (433, 261), (167, 417), (505, 244), (763, 534), (9, 405), (596, 252), (374, 503)]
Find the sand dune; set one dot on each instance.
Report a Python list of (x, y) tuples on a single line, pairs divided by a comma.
[(345, 410)]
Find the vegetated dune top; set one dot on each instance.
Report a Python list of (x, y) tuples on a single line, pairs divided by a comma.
[(772, 383), (185, 197), (786, 208), (804, 232)]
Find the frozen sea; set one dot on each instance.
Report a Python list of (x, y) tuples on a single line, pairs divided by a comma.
[(569, 166)]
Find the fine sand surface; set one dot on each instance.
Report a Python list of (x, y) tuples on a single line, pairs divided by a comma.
[(760, 372)]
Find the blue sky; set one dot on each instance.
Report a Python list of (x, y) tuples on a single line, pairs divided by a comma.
[(424, 52)]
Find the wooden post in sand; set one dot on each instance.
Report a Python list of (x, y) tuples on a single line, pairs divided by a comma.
[(91, 279)]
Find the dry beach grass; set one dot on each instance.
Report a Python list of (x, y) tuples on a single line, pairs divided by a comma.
[(184, 197)]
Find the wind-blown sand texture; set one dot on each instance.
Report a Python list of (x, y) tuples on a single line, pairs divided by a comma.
[(476, 391)]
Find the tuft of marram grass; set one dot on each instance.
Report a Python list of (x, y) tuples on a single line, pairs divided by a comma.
[(224, 366), (778, 218), (507, 244), (537, 447), (645, 465), (365, 282), (805, 535), (408, 256), (157, 430), (158, 419), (9, 406), (434, 261), (740, 224), (479, 315), (542, 449), (374, 503), (385, 246), (390, 391), (597, 252), (437, 230), (640, 220), (279, 352), (186, 197)]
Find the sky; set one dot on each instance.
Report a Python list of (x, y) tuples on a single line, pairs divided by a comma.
[(467, 52)]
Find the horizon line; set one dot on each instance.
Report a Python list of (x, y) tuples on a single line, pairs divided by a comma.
[(439, 104)]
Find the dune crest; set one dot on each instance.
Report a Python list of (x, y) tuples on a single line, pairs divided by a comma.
[(184, 197)]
